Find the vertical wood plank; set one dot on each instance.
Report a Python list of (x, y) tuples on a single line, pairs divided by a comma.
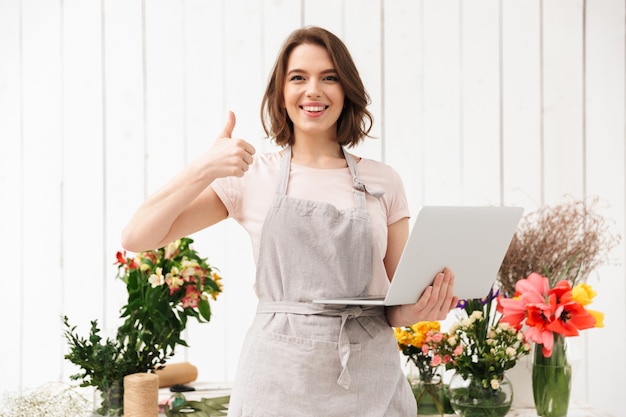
[(42, 144), (124, 139), (442, 102), (521, 103), (480, 103), (402, 96), (562, 98), (605, 161), (82, 164), (363, 37), (165, 107), (11, 194)]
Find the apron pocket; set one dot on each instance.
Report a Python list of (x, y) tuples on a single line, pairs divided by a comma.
[(290, 376)]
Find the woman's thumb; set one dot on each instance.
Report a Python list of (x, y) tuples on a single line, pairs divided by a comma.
[(230, 126)]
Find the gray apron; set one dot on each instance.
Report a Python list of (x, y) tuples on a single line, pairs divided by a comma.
[(307, 360)]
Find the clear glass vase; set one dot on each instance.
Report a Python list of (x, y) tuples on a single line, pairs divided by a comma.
[(552, 378), (469, 398), (429, 395), (109, 400)]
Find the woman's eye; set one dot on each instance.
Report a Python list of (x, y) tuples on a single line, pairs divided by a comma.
[(331, 78), (296, 78)]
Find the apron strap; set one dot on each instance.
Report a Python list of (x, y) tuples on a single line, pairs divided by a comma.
[(359, 188), (345, 312)]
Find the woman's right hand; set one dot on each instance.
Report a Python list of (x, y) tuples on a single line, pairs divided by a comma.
[(187, 203), (227, 157)]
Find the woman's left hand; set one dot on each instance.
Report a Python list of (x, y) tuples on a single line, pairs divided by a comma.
[(435, 303)]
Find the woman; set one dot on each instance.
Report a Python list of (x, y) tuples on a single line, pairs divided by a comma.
[(323, 223)]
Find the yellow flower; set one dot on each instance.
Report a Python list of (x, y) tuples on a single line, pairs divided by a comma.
[(402, 336), (583, 294), (599, 316)]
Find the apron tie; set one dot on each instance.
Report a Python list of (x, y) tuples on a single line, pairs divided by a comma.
[(343, 344)]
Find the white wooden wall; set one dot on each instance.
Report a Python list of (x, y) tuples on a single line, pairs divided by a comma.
[(516, 102)]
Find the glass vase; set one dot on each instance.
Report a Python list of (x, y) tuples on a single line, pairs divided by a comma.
[(552, 378), (469, 398), (429, 395), (109, 399)]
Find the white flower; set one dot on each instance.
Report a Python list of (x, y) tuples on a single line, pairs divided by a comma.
[(476, 315), (504, 326), (454, 327), (156, 279), (511, 352), (495, 384)]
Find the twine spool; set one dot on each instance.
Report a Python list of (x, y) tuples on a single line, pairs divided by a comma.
[(141, 395), (177, 373)]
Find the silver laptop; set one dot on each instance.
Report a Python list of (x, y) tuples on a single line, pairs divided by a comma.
[(471, 241)]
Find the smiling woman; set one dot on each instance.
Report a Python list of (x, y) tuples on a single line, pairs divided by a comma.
[(299, 356), (515, 102)]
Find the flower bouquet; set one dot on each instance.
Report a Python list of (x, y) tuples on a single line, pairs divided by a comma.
[(549, 314), (482, 348), (165, 287), (420, 344)]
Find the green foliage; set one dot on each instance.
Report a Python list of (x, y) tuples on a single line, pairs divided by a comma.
[(206, 407), (165, 287)]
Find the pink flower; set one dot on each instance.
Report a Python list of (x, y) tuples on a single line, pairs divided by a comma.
[(437, 337), (533, 289), (436, 361), (191, 298), (530, 291), (458, 350)]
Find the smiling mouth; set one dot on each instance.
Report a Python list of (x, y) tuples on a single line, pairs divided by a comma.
[(314, 109)]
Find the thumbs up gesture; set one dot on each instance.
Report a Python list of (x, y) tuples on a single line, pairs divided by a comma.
[(231, 157)]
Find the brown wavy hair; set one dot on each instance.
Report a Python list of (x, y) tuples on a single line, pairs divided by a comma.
[(355, 121)]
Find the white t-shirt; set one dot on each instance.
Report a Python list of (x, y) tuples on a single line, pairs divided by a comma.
[(249, 198)]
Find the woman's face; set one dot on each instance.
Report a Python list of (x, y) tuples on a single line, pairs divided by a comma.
[(313, 95)]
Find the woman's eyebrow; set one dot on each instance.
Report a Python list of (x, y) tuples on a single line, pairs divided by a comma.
[(301, 71)]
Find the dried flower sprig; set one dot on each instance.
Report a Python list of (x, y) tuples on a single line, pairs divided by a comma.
[(565, 241)]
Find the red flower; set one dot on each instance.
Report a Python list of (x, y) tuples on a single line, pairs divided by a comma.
[(545, 311), (122, 260)]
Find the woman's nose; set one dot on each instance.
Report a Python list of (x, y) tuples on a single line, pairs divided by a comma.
[(313, 89)]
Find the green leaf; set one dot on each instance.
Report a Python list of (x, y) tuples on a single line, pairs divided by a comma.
[(205, 309)]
